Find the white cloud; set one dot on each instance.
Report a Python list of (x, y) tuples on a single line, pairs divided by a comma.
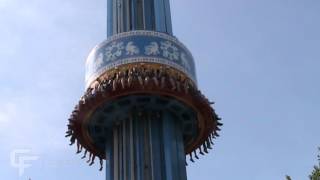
[(24, 122), (4, 3), (7, 112)]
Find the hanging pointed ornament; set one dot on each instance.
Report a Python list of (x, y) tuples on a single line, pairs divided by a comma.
[(200, 151), (210, 139), (85, 154), (92, 160), (216, 134), (191, 159), (68, 133), (101, 164), (79, 148), (219, 123), (208, 144), (195, 154), (72, 140), (90, 155), (205, 148)]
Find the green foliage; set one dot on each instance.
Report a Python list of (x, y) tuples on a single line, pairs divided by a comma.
[(315, 175)]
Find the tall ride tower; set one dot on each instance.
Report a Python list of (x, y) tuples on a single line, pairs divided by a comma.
[(142, 111)]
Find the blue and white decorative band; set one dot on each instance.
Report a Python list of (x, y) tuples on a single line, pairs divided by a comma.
[(139, 46)]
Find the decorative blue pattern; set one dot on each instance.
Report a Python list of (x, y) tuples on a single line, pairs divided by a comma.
[(139, 46)]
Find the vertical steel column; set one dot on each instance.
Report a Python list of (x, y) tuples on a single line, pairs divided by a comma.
[(139, 15), (146, 146), (168, 17), (114, 17), (174, 155), (149, 14), (126, 18), (109, 17), (160, 15), (109, 160), (128, 15)]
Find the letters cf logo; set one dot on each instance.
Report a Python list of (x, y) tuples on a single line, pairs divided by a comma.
[(21, 159)]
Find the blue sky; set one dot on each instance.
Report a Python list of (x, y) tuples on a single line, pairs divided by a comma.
[(258, 60)]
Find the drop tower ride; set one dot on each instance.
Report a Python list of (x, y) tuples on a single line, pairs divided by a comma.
[(142, 111)]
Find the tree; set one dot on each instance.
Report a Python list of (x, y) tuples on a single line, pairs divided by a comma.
[(315, 175), (288, 177)]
